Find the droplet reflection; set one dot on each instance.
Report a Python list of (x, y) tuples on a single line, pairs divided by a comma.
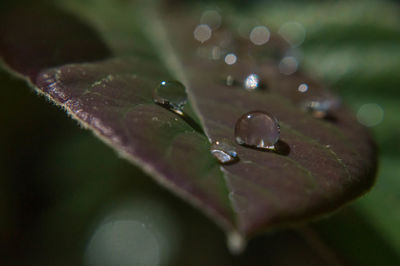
[(257, 129), (202, 33)]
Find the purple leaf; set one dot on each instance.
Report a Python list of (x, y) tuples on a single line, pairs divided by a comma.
[(320, 163)]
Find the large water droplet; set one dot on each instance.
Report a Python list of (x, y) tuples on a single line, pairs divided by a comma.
[(252, 82), (224, 151), (257, 129), (171, 94)]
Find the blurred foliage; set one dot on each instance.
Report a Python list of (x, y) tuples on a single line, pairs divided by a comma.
[(356, 51), (58, 182)]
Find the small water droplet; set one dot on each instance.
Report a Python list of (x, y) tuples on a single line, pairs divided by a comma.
[(321, 108), (171, 94), (230, 80), (216, 53), (257, 129), (303, 87), (259, 35), (252, 82), (202, 33), (230, 59), (224, 151)]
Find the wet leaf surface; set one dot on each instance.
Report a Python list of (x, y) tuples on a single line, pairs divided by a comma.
[(108, 89)]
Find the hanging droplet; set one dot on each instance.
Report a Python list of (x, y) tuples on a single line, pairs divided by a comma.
[(252, 82), (321, 108), (171, 94), (257, 129), (224, 151), (236, 243)]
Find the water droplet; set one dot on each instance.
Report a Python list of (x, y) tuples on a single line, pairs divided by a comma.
[(293, 32), (259, 35), (230, 80), (252, 82), (303, 87), (212, 18), (216, 53), (230, 59), (202, 33), (321, 108), (236, 243), (171, 94), (288, 65), (257, 129), (370, 114), (224, 151)]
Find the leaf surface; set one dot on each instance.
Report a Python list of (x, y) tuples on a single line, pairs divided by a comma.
[(106, 83)]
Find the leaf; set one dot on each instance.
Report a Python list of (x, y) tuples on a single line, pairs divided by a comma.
[(108, 89)]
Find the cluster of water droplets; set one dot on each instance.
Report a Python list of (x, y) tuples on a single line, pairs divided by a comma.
[(256, 129)]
